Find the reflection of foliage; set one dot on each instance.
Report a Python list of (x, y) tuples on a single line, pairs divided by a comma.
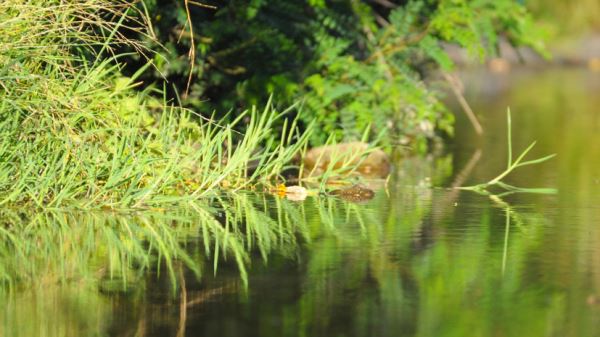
[(355, 63), (50, 247), (391, 265), (376, 266)]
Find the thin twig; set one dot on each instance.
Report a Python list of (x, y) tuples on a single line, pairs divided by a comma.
[(192, 51), (452, 81), (199, 4)]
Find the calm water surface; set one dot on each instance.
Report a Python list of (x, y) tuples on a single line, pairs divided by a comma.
[(417, 260)]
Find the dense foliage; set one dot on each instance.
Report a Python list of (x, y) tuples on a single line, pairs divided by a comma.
[(353, 63), (77, 128)]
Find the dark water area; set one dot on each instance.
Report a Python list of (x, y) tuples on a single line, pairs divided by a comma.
[(419, 259)]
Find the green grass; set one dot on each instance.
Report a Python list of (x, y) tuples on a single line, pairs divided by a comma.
[(176, 160), (75, 133)]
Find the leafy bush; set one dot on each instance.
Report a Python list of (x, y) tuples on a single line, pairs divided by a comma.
[(354, 63)]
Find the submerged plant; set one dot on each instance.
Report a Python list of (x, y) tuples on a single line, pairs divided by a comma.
[(511, 166)]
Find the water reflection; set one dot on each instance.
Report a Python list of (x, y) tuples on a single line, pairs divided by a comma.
[(416, 260)]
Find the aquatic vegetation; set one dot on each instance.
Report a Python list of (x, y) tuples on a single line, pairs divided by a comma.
[(512, 164)]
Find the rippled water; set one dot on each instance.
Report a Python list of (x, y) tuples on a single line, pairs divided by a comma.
[(417, 260)]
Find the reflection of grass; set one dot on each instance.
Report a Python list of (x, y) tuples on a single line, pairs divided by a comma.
[(55, 311), (54, 247), (51, 247), (511, 166)]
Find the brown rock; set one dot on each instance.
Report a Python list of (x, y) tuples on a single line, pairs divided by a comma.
[(372, 162)]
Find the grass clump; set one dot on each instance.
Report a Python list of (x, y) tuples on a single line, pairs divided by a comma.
[(75, 132)]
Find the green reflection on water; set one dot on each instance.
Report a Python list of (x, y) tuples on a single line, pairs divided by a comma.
[(415, 261)]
